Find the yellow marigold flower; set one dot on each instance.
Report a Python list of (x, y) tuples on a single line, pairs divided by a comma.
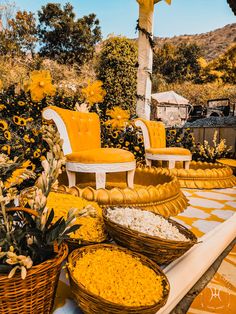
[(118, 277), (94, 93), (92, 229), (119, 117), (3, 125), (7, 135), (2, 107), (40, 85)]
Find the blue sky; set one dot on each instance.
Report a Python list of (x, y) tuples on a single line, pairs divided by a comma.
[(119, 16)]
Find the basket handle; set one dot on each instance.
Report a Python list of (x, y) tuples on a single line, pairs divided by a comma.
[(23, 209)]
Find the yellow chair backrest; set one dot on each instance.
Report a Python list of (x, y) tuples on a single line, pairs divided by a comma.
[(83, 128), (156, 132)]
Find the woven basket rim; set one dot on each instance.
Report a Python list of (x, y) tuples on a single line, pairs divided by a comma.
[(155, 268), (147, 236), (52, 262)]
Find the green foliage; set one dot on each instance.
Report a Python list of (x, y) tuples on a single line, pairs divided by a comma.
[(117, 70), (177, 64), (20, 35), (64, 38)]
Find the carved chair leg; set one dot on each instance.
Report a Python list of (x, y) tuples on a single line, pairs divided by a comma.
[(148, 162), (100, 180), (71, 178), (171, 164), (186, 164), (130, 178)]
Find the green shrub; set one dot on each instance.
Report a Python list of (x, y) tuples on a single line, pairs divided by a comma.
[(117, 70)]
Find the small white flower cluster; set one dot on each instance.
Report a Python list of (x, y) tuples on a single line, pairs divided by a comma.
[(145, 222)]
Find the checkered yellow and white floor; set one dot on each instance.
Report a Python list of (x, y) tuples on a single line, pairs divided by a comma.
[(206, 210)]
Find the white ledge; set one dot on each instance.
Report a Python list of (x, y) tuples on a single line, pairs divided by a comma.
[(189, 268)]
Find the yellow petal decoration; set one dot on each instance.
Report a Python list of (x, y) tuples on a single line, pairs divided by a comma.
[(119, 117), (94, 93), (40, 85)]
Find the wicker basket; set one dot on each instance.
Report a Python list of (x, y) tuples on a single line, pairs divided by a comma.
[(160, 250), (93, 304), (35, 294)]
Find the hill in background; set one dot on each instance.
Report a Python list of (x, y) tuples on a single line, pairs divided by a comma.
[(213, 43)]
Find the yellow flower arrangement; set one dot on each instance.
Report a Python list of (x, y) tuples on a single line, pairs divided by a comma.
[(118, 277), (93, 93), (19, 121), (119, 117), (92, 228), (3, 125), (37, 153), (40, 85)]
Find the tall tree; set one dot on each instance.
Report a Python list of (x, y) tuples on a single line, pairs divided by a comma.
[(23, 31), (65, 38)]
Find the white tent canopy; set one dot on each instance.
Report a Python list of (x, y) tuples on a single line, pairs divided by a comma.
[(170, 97)]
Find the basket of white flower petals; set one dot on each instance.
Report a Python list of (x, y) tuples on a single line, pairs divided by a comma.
[(162, 240)]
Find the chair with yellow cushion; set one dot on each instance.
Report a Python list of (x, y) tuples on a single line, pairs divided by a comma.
[(82, 147), (154, 134)]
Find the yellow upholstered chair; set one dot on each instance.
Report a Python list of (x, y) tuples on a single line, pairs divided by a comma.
[(154, 134), (82, 147)]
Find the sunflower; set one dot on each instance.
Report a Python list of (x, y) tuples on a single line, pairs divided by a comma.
[(3, 125), (2, 107), (27, 139), (21, 103), (40, 85), (37, 153), (173, 132), (7, 135), (94, 93), (7, 149), (119, 117), (19, 121), (17, 176)]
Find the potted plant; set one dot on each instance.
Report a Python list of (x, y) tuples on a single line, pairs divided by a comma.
[(31, 246)]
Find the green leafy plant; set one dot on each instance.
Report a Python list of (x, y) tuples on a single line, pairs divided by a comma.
[(28, 237)]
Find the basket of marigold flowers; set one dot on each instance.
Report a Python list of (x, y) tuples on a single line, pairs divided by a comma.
[(88, 216), (32, 246), (109, 279)]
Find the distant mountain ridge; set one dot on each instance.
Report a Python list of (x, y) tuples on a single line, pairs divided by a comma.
[(213, 43)]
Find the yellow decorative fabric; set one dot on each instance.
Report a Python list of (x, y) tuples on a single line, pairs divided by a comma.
[(157, 133), (169, 151), (101, 155), (83, 128)]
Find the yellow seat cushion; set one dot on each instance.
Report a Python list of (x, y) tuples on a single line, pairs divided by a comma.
[(101, 156), (169, 151)]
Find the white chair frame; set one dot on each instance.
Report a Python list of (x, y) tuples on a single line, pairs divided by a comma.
[(171, 159), (100, 170)]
